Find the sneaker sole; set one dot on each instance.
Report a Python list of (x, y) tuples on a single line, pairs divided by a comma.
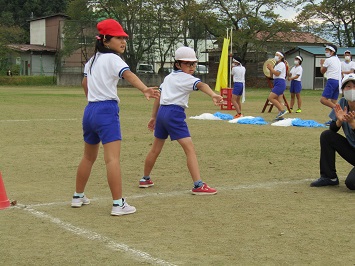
[(328, 185), (204, 193), (121, 213), (144, 186), (78, 205)]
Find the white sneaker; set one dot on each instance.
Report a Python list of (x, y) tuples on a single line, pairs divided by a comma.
[(77, 202), (122, 210)]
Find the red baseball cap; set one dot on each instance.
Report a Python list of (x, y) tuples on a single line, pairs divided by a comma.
[(111, 27)]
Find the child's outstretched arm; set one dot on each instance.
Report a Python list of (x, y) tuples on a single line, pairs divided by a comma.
[(149, 92), (217, 99)]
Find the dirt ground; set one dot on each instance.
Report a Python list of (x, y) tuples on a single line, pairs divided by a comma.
[(265, 213)]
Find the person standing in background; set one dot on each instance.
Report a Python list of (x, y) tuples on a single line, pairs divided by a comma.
[(295, 77), (332, 67), (238, 73), (347, 66)]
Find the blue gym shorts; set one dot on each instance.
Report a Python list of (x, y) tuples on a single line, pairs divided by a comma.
[(279, 86), (331, 89), (101, 122), (171, 121), (295, 86), (238, 88)]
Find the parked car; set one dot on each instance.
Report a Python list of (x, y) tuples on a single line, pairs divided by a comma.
[(145, 68), (201, 69), (167, 70)]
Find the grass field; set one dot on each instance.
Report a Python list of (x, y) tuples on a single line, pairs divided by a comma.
[(265, 213)]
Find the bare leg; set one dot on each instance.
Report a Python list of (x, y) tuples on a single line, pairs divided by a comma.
[(274, 99), (191, 158), (292, 100), (85, 166), (299, 100), (239, 104), (112, 152), (328, 102), (152, 156), (235, 103)]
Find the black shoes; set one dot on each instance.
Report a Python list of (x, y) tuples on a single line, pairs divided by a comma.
[(323, 181)]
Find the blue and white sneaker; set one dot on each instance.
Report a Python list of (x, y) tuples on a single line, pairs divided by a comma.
[(77, 201), (281, 114), (122, 210)]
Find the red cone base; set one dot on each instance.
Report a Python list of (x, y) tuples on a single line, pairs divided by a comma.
[(4, 201)]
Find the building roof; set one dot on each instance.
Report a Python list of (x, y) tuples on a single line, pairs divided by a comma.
[(292, 36), (319, 50), (31, 48), (50, 16)]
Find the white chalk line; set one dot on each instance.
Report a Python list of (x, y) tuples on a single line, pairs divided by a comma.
[(137, 254), (184, 192), (91, 235), (49, 119)]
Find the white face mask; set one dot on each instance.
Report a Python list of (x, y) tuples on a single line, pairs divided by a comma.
[(347, 58), (296, 62), (277, 58), (349, 95), (327, 54)]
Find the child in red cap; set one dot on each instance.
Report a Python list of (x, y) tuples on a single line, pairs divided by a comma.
[(101, 121)]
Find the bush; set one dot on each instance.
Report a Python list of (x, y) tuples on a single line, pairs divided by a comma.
[(27, 80)]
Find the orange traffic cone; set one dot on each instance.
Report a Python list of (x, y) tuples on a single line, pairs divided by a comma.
[(4, 201)]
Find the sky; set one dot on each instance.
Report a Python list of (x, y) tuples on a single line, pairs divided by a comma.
[(289, 13)]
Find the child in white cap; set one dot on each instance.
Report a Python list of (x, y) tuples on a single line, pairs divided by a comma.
[(331, 142), (101, 121), (295, 76), (347, 66), (238, 73), (279, 75), (168, 117), (332, 67)]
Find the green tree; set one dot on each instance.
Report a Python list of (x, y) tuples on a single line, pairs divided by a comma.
[(8, 35), (248, 18), (154, 26), (332, 18)]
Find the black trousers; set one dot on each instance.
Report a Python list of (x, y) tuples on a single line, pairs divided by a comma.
[(331, 142)]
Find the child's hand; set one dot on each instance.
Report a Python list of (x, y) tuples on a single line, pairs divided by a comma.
[(217, 99), (340, 113), (151, 92), (350, 118), (151, 124)]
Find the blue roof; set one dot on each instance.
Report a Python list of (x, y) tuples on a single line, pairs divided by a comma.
[(319, 50)]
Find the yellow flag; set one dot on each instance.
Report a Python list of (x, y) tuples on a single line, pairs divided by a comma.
[(222, 75)]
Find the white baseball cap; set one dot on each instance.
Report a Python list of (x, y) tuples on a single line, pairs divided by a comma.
[(185, 54), (346, 79)]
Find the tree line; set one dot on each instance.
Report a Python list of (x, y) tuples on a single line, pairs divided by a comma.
[(158, 24)]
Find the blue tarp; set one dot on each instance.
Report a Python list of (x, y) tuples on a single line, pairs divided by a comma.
[(297, 122), (252, 121), (223, 116)]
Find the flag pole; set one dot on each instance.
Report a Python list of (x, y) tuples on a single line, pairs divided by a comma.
[(230, 58)]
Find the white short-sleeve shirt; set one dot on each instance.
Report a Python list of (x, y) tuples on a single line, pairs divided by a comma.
[(238, 73), (103, 77), (280, 67), (176, 88), (333, 66), (296, 70), (347, 66)]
